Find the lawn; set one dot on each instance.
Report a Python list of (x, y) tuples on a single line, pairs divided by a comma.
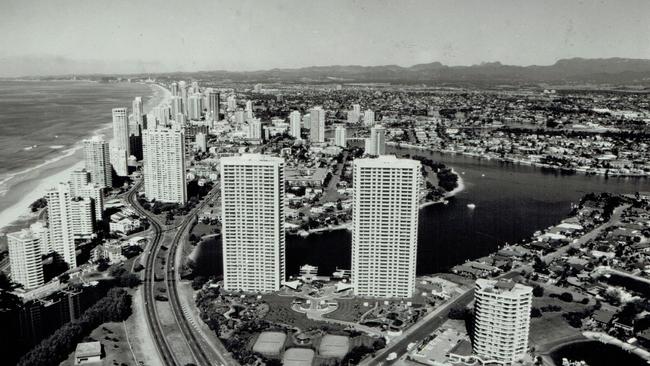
[(280, 312), (551, 326), (350, 310)]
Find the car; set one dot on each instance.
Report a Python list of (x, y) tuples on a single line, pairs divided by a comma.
[(391, 356)]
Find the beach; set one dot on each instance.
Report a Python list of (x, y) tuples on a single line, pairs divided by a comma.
[(27, 185)]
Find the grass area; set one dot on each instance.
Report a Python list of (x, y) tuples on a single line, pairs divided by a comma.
[(551, 326), (115, 345), (280, 312), (350, 310), (201, 229)]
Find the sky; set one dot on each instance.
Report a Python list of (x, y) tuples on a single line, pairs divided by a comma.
[(252, 35)]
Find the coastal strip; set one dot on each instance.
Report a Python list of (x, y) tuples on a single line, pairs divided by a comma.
[(31, 183)]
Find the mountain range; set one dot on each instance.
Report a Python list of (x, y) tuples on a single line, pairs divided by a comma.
[(574, 70)]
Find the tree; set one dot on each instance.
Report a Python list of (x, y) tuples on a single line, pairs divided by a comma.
[(566, 297), (538, 291), (535, 313)]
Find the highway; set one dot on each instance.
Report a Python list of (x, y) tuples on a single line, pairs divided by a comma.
[(151, 313), (202, 351)]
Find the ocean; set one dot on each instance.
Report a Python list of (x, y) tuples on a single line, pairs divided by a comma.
[(42, 124)]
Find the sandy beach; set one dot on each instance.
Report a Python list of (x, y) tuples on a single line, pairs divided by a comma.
[(31, 184)]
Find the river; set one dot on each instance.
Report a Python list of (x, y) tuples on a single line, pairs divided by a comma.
[(512, 202)]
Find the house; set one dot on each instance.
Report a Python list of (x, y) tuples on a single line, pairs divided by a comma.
[(603, 317), (87, 353)]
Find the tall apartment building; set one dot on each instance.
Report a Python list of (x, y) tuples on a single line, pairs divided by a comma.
[(25, 258), (79, 179), (294, 124), (164, 165), (138, 113), (97, 160), (501, 320), (174, 89), (182, 88), (340, 136), (176, 106), (317, 125), (253, 209), (368, 117), (41, 230), (356, 108), (96, 193), (214, 104), (61, 223), (353, 117), (231, 102), (255, 129), (385, 226), (121, 129), (195, 106), (376, 144), (83, 217)]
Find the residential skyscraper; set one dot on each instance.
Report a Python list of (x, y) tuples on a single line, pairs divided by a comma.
[(79, 179), (340, 136), (96, 193), (61, 224), (121, 129), (294, 124), (368, 117), (376, 144), (501, 320), (97, 159), (83, 217), (174, 89), (253, 209), (201, 141), (25, 258), (195, 106), (182, 88), (317, 125), (119, 159), (385, 226), (138, 111), (214, 104), (255, 129), (231, 102), (357, 109), (164, 165), (176, 105), (353, 117)]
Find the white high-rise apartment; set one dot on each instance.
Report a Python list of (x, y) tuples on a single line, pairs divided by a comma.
[(231, 102), (121, 129), (255, 129), (176, 106), (317, 125), (97, 159), (294, 124), (385, 226), (306, 121), (61, 224), (195, 106), (353, 117), (25, 258), (119, 159), (79, 179), (501, 320), (164, 165), (138, 111), (253, 208), (182, 88), (39, 229), (96, 193), (239, 117), (368, 117), (174, 89), (214, 104), (376, 144), (83, 217), (340, 136), (356, 108)]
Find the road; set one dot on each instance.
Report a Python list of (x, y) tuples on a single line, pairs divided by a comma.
[(202, 351), (425, 327), (151, 313)]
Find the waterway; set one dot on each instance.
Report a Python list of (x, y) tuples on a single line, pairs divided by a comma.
[(595, 353), (512, 202)]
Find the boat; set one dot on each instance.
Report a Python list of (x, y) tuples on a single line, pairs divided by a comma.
[(471, 206)]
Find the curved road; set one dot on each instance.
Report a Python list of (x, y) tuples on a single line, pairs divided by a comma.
[(202, 351)]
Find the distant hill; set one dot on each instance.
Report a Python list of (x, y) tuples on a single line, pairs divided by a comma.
[(574, 70), (578, 70)]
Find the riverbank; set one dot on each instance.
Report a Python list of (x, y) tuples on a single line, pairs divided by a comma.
[(32, 183), (584, 170)]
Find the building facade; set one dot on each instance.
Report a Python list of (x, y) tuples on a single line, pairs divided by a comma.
[(317, 125), (97, 159), (25, 258), (164, 165), (340, 136), (294, 124), (501, 320), (61, 224), (376, 143), (253, 210), (385, 226)]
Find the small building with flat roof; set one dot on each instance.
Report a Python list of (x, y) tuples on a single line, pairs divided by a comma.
[(87, 353)]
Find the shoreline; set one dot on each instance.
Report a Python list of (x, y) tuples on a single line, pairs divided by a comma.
[(32, 182), (586, 172)]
